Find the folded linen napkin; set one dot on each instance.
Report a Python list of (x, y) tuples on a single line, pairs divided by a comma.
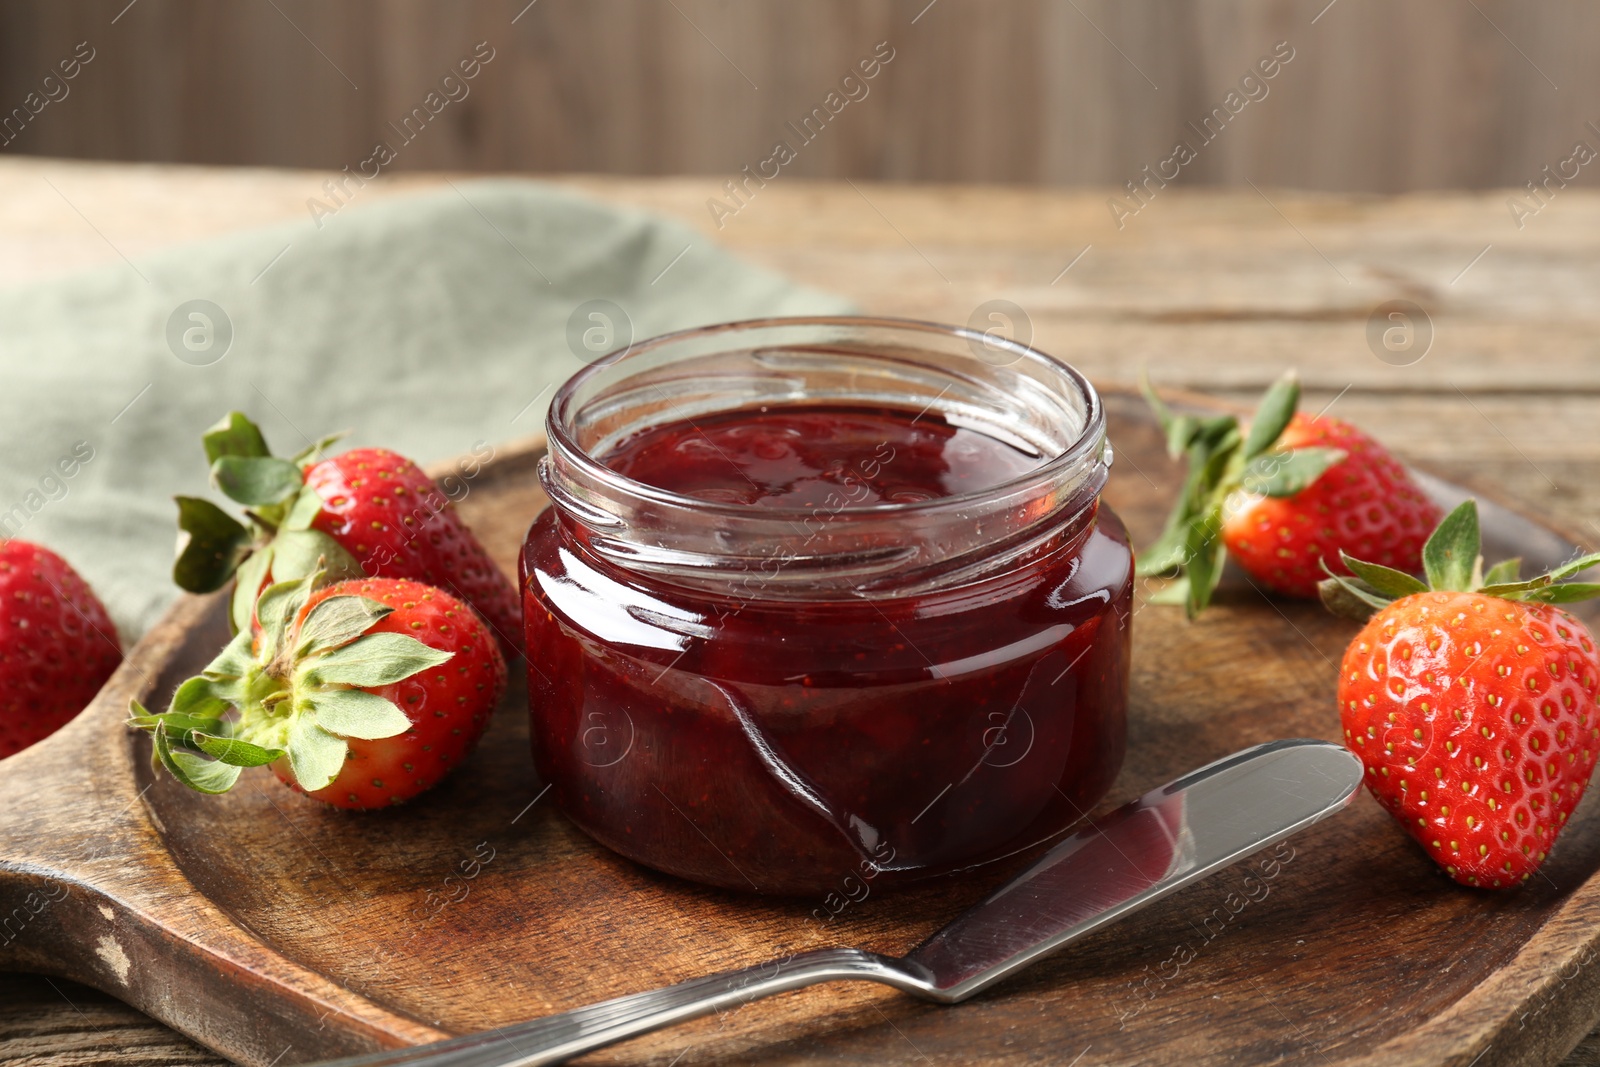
[(425, 324)]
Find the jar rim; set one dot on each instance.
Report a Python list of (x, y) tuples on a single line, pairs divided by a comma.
[(560, 416)]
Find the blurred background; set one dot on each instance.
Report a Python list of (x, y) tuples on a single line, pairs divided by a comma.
[(1378, 96)]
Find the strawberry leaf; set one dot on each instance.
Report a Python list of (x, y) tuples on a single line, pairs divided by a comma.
[(234, 752), (1451, 553), (1206, 555), (376, 659), (298, 553), (198, 773), (234, 435), (1515, 590), (1189, 540), (1219, 435), (177, 723), (1165, 554), (1564, 592), (1506, 572), (276, 610), (1216, 460), (1350, 598), (246, 584), (1205, 571), (211, 547), (1181, 433), (1272, 415), (359, 714), (255, 481), (1582, 563), (1453, 563), (337, 621), (1170, 550), (1158, 407), (197, 699), (1385, 581), (179, 728), (230, 664), (313, 453), (315, 756), (1285, 473), (306, 507), (1174, 592)]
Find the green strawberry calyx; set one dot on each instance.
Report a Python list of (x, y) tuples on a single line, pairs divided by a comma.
[(279, 508), (1227, 467), (300, 693), (1452, 561)]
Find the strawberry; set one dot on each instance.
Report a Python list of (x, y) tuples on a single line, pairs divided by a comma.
[(1284, 498), (364, 513), (1365, 504), (361, 694), (1471, 700), (57, 644)]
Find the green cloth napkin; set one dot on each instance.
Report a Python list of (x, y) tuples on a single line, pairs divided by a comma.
[(426, 324)]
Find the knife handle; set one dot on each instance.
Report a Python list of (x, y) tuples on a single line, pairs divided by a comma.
[(558, 1037)]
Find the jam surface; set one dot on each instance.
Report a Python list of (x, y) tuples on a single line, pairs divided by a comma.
[(808, 746), (802, 457)]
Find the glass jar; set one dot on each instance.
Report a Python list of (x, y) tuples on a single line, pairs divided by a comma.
[(801, 690)]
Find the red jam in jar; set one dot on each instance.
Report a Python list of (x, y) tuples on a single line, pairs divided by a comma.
[(826, 601)]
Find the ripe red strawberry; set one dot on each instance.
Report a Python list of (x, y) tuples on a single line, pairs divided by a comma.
[(366, 513), (1284, 498), (1365, 504), (361, 694), (1471, 702), (57, 644)]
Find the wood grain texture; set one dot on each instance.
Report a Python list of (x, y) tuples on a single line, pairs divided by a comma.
[(313, 932), (1378, 97), (1211, 289), (51, 1022)]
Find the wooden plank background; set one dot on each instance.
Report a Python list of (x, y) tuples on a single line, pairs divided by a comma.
[(1379, 96)]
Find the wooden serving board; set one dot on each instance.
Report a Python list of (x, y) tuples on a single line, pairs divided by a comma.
[(278, 931)]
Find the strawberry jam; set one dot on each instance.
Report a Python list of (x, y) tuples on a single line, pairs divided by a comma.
[(801, 457), (797, 647)]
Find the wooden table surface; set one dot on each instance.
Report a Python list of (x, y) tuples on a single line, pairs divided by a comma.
[(1216, 291)]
